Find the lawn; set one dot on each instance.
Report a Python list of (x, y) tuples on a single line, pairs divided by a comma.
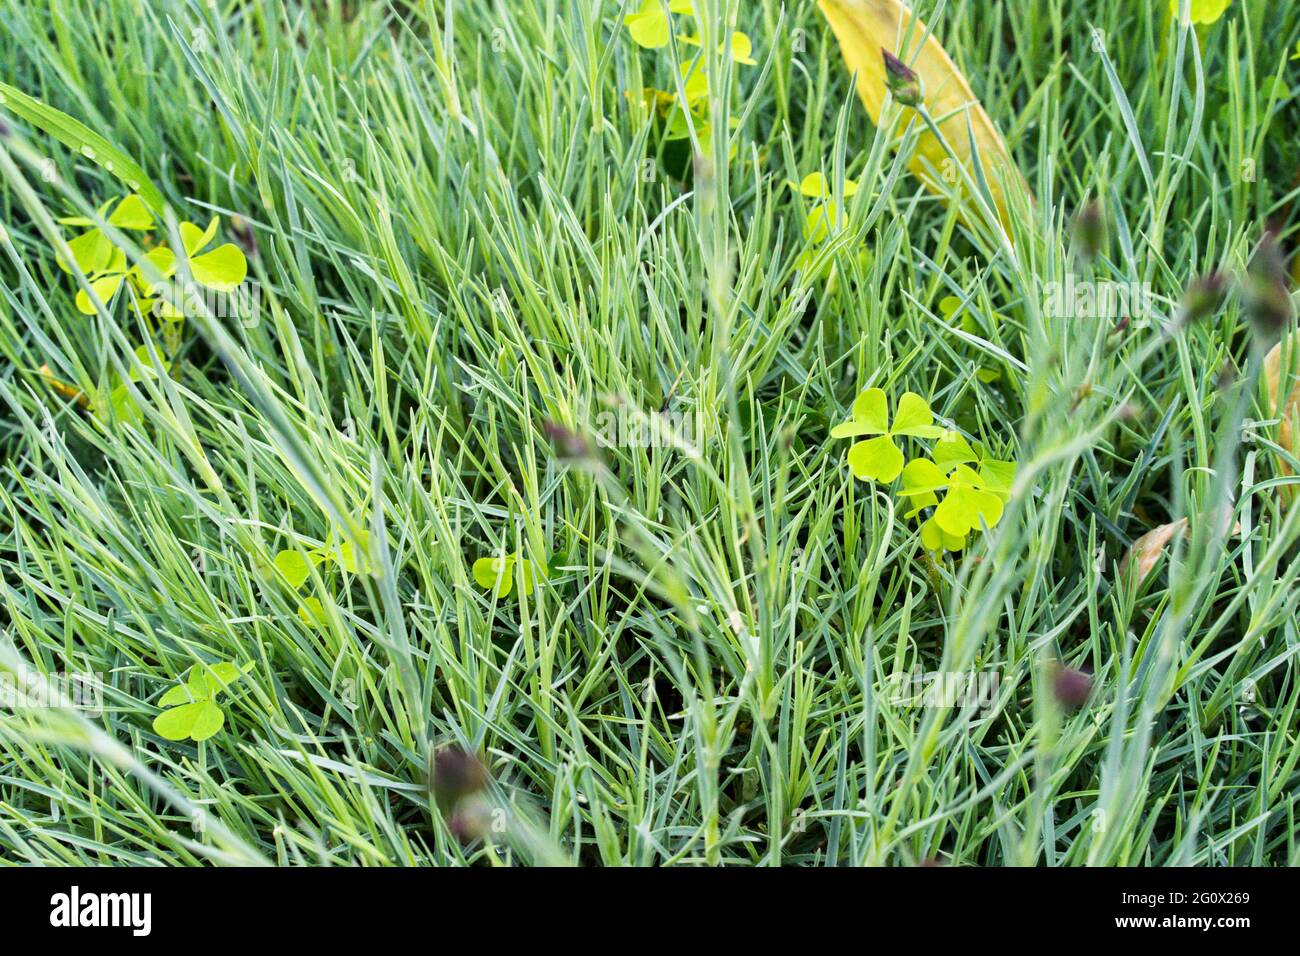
[(584, 432)]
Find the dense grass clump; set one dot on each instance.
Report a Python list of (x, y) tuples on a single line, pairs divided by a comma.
[(506, 525)]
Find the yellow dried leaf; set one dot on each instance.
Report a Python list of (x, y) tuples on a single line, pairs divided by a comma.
[(866, 27), (1147, 549)]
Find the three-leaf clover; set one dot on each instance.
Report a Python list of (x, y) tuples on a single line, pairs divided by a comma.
[(880, 458), (678, 128), (499, 573), (94, 253), (952, 450), (967, 501), (221, 270), (651, 27), (976, 487), (193, 711), (295, 567)]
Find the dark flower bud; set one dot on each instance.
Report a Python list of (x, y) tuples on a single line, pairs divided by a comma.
[(902, 80), (1268, 300), (1071, 687), (456, 773), (1204, 297), (470, 822), (568, 444), (1090, 229)]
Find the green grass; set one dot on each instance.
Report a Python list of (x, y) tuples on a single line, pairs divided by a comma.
[(457, 242)]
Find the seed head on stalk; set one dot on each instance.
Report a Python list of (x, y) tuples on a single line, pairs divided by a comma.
[(1268, 300)]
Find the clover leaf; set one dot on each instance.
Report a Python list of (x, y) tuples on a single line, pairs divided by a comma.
[(131, 213), (192, 709), (312, 613), (96, 256), (822, 220), (1201, 11), (742, 48), (221, 270), (996, 476), (348, 557), (498, 572), (815, 186), (825, 216), (880, 459), (967, 502), (695, 83), (649, 26), (934, 538), (678, 128), (975, 486), (295, 568)]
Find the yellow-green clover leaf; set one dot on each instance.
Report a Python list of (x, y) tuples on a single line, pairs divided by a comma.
[(976, 487), (352, 561), (880, 459), (295, 568), (649, 26), (934, 538), (94, 253), (742, 48), (131, 213), (499, 573), (995, 476), (196, 721), (1201, 11), (312, 612), (677, 128), (967, 502), (824, 219), (192, 709), (221, 270), (825, 216), (118, 402), (695, 83), (92, 250), (815, 186)]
